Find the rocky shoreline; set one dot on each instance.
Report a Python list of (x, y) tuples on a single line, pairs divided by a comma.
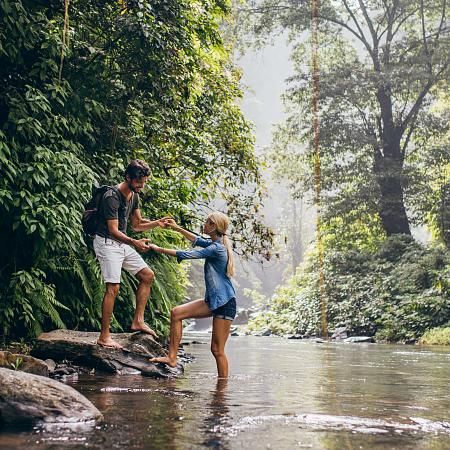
[(30, 387)]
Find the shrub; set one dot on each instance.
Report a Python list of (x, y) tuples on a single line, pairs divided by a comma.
[(436, 336), (395, 293)]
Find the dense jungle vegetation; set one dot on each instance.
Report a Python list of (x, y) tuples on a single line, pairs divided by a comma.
[(84, 89)]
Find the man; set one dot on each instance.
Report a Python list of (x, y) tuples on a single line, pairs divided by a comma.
[(115, 250)]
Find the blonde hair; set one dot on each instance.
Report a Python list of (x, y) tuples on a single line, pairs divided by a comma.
[(221, 221)]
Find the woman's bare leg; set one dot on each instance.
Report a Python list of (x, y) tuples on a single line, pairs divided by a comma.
[(221, 331), (197, 309)]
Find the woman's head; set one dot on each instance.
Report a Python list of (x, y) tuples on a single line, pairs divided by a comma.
[(217, 225)]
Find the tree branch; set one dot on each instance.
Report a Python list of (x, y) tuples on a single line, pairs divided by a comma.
[(444, 4), (410, 132), (407, 16), (389, 36), (362, 38), (369, 23), (424, 39), (421, 96)]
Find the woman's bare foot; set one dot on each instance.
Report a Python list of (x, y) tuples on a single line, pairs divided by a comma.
[(136, 326), (172, 362), (109, 343)]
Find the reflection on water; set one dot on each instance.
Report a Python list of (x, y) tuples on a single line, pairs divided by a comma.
[(282, 395), (217, 417)]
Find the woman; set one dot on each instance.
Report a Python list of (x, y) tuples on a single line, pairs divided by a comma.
[(220, 297)]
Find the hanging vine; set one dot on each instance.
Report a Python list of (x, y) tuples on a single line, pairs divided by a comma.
[(65, 37), (317, 164)]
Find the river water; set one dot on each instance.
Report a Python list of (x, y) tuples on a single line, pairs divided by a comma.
[(282, 394)]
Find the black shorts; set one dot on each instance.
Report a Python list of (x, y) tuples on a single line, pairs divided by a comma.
[(227, 311)]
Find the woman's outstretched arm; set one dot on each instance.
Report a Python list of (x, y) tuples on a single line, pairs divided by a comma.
[(210, 250), (175, 227), (164, 251)]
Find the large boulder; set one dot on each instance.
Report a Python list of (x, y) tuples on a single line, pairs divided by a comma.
[(242, 316), (25, 397), (81, 348), (340, 334), (23, 363)]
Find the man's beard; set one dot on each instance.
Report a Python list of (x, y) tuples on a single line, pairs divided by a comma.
[(132, 189)]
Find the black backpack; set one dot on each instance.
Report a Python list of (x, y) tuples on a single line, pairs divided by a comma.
[(90, 218)]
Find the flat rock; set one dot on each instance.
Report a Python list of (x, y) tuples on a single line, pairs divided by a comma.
[(25, 397), (294, 336), (359, 339), (263, 332), (23, 363), (81, 348)]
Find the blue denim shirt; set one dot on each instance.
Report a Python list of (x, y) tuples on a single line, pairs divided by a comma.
[(219, 289)]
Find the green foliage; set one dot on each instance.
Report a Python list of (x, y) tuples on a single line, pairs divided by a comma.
[(396, 293), (16, 364), (139, 79), (436, 336), (30, 303)]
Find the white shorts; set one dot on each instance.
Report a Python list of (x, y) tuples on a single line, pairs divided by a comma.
[(115, 256)]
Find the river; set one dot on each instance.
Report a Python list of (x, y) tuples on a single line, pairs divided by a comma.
[(282, 394)]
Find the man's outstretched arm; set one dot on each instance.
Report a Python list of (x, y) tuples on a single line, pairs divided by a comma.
[(138, 223)]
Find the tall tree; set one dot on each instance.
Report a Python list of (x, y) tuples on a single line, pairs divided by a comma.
[(381, 63)]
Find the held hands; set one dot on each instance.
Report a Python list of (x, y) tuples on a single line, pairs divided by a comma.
[(162, 222), (170, 223), (167, 222), (142, 245), (154, 247)]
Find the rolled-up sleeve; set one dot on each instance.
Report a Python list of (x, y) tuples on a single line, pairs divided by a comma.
[(207, 252), (200, 242)]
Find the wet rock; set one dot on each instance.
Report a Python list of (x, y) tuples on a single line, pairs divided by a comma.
[(263, 332), (80, 348), (23, 363), (359, 339), (236, 330), (242, 316), (50, 364), (25, 397), (340, 334), (294, 336)]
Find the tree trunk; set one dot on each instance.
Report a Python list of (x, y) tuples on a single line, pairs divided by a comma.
[(389, 168), (389, 173)]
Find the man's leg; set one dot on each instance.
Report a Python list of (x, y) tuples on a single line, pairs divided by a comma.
[(112, 289), (197, 309), (221, 331), (145, 277)]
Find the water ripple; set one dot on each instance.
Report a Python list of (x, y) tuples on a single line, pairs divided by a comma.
[(337, 423)]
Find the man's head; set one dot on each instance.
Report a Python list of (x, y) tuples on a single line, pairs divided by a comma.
[(136, 174)]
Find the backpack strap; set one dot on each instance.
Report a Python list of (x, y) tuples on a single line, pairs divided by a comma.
[(116, 190)]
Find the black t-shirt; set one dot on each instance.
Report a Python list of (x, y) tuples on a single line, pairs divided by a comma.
[(115, 206)]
